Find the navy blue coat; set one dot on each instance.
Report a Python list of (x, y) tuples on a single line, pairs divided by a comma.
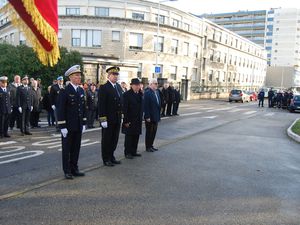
[(24, 97), (151, 106), (71, 109), (5, 106)]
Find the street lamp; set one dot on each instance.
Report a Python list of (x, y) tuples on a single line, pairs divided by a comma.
[(158, 20)]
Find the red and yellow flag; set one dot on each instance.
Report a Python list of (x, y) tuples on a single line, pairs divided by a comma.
[(38, 20)]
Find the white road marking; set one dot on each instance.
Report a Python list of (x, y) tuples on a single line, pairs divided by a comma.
[(86, 144), (7, 143), (221, 109), (249, 113), (270, 114), (209, 117), (47, 142), (190, 114), (236, 110), (56, 146), (35, 154), (15, 149)]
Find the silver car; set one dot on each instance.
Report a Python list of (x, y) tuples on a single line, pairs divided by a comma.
[(239, 96)]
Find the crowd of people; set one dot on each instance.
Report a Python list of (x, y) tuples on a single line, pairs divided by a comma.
[(278, 99), (73, 106)]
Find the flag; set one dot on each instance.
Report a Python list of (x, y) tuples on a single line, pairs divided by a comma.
[(39, 22)]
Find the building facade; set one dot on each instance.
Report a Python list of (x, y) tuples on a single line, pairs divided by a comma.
[(197, 55)]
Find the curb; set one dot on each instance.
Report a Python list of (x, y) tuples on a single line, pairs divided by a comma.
[(291, 134)]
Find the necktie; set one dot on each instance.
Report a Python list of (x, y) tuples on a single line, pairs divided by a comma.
[(115, 86), (156, 97)]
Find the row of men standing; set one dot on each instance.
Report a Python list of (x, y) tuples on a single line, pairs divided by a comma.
[(18, 102), (170, 97), (112, 105)]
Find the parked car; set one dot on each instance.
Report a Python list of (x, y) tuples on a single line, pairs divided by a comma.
[(295, 103), (238, 96), (253, 95)]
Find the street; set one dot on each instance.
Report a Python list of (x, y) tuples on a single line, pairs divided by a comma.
[(218, 163)]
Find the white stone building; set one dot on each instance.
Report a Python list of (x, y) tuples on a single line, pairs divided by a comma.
[(202, 58)]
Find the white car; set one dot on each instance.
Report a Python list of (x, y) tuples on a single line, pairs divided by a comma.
[(238, 96)]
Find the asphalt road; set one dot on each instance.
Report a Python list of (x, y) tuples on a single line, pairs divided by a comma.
[(219, 163)]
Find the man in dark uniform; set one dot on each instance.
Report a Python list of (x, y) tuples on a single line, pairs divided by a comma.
[(176, 102), (170, 99), (15, 115), (133, 117), (164, 98), (71, 120), (151, 114), (54, 92), (92, 103), (110, 113), (5, 107), (270, 98), (25, 105)]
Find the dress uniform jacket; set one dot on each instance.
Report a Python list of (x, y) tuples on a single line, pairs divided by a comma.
[(71, 109), (13, 94), (54, 92), (92, 100), (133, 112), (5, 105), (110, 103), (24, 97)]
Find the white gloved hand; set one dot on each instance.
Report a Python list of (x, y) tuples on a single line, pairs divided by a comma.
[(20, 109), (31, 108), (83, 128), (53, 107), (104, 124), (64, 132)]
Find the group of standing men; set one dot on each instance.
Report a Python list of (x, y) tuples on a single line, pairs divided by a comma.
[(170, 97), (19, 102), (113, 105)]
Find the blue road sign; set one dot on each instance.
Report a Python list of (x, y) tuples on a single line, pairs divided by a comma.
[(157, 69)]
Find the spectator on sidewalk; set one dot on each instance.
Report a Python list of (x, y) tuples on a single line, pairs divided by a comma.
[(48, 108)]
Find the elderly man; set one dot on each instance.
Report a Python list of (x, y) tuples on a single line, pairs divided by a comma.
[(71, 112), (151, 114), (133, 117), (15, 115), (25, 105), (110, 113), (5, 107), (37, 107)]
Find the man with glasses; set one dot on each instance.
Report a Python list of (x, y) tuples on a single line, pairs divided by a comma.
[(110, 113), (151, 114)]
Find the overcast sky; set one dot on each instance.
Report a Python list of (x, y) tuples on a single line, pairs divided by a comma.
[(217, 6)]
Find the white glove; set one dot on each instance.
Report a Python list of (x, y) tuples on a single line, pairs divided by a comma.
[(53, 107), (31, 108), (104, 124), (20, 109), (64, 132), (83, 128)]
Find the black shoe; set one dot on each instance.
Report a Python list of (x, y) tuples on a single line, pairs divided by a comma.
[(154, 149), (128, 156), (116, 161), (22, 134), (108, 163), (78, 174), (68, 176), (6, 135), (28, 133), (137, 155), (149, 150)]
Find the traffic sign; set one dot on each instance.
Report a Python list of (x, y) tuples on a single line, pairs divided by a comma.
[(157, 69)]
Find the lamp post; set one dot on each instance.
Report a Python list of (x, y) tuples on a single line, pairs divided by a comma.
[(157, 35)]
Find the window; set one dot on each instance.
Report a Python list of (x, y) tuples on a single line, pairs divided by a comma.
[(175, 23), (159, 44), (218, 76), (230, 59), (138, 16), (173, 72), (195, 51), (185, 48), (135, 41), (210, 75), (186, 27), (211, 55), (73, 11), (116, 35), (140, 70), (185, 72), (86, 38), (162, 19), (174, 47), (22, 39), (194, 74), (218, 56), (59, 34), (225, 57), (100, 11), (12, 38)]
